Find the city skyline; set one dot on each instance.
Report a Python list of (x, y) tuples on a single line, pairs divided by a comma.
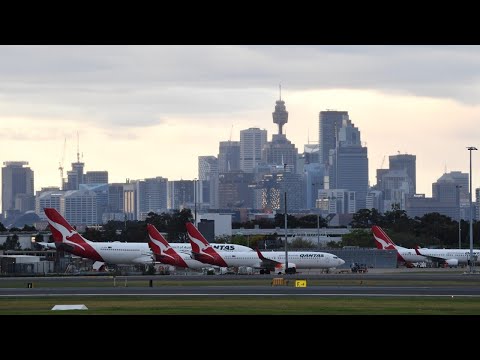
[(148, 111)]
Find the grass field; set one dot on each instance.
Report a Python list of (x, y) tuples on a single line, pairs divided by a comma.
[(145, 305)]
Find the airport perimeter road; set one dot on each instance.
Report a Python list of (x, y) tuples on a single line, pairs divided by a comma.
[(193, 291)]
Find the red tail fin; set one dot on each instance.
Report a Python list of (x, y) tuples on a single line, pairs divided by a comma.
[(162, 249), (382, 240), (66, 237), (157, 242), (201, 248), (196, 238)]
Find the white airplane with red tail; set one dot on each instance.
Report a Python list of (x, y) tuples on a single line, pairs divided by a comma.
[(383, 242), (68, 239), (203, 251)]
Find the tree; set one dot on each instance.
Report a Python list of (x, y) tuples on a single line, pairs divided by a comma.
[(12, 243), (299, 243), (365, 218), (2, 227), (28, 228), (358, 237)]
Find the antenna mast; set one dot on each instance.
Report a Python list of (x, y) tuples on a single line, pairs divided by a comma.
[(78, 149)]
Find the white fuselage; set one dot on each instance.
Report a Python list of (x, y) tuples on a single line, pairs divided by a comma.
[(462, 255), (301, 259), (410, 255), (123, 253)]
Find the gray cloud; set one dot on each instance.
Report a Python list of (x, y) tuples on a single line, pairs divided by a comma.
[(142, 85)]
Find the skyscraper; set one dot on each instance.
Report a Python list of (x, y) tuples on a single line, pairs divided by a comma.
[(405, 161), (349, 162), (17, 185), (208, 175), (330, 122), (252, 142), (229, 156)]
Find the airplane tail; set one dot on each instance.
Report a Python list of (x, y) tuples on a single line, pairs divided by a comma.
[(157, 242), (64, 235), (382, 240), (162, 250), (201, 248), (197, 241)]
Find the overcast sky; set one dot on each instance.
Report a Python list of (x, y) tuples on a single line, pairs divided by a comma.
[(146, 111)]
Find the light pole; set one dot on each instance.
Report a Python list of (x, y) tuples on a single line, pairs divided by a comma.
[(470, 148), (459, 218), (286, 234)]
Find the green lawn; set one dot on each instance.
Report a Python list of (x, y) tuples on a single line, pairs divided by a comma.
[(145, 305)]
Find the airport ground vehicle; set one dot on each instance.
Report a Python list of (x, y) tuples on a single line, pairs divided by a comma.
[(359, 268)]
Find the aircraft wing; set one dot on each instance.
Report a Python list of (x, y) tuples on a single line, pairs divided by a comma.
[(266, 262), (431, 257)]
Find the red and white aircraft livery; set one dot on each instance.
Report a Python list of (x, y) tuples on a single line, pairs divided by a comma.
[(383, 242), (166, 254), (204, 252), (68, 239)]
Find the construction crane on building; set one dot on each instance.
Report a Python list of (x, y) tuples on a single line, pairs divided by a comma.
[(61, 162), (383, 161)]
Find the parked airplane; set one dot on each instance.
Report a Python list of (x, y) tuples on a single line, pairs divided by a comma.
[(183, 247), (68, 239), (166, 254), (383, 242), (450, 257), (274, 261)]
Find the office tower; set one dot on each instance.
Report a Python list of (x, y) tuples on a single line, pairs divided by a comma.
[(234, 190), (208, 175), (47, 198), (17, 187), (349, 164), (396, 187), (229, 156), (74, 176), (79, 207), (151, 196), (101, 190), (181, 194), (96, 177), (330, 122), (252, 141), (405, 161), (130, 200), (115, 197)]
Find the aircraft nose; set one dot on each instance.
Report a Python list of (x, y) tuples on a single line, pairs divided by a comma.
[(341, 262)]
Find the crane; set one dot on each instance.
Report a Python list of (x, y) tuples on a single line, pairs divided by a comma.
[(61, 162), (383, 161)]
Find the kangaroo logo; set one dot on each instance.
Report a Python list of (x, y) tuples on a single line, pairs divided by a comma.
[(67, 235), (385, 244), (163, 248), (201, 246)]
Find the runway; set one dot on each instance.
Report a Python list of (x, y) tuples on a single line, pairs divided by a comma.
[(399, 284), (253, 291)]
